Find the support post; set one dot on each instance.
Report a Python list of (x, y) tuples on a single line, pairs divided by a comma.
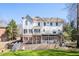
[(48, 39), (36, 39), (28, 39), (23, 39), (60, 40), (32, 40), (41, 39)]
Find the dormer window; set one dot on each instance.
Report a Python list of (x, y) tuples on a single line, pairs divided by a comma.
[(50, 23), (56, 23)]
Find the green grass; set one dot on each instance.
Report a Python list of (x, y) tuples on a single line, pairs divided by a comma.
[(50, 52)]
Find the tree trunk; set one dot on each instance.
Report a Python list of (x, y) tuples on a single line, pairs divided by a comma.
[(77, 43), (77, 37)]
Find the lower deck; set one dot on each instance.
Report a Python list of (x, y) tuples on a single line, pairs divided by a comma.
[(38, 39)]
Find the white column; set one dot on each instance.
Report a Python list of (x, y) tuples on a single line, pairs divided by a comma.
[(28, 39), (48, 39), (23, 39), (32, 41), (36, 39), (41, 39)]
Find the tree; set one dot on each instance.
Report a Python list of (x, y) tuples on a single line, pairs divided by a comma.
[(68, 31), (73, 15), (11, 30), (74, 31)]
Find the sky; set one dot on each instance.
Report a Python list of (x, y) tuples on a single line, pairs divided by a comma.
[(16, 11)]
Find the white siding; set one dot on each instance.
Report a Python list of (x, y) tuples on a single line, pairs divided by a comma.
[(48, 28)]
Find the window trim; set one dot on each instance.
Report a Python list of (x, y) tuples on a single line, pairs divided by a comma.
[(56, 23), (38, 23), (44, 23), (36, 30), (51, 24), (25, 31)]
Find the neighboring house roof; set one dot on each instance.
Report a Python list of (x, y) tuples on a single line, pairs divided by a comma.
[(3, 25)]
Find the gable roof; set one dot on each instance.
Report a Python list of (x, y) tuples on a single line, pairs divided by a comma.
[(48, 19), (43, 19)]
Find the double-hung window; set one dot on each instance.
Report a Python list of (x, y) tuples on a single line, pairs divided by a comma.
[(50, 23), (44, 23), (38, 23), (25, 31)]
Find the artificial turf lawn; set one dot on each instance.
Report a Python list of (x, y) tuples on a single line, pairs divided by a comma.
[(49, 52)]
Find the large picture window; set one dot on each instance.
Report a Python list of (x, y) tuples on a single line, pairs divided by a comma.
[(36, 30)]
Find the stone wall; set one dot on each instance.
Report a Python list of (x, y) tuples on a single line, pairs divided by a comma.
[(39, 46)]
